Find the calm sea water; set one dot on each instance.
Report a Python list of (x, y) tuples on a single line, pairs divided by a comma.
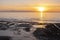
[(50, 17)]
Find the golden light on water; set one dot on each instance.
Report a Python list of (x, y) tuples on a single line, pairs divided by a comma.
[(41, 10), (41, 15)]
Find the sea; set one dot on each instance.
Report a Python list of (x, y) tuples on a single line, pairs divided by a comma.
[(49, 17)]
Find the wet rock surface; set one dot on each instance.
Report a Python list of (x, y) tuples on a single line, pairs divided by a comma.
[(50, 32)]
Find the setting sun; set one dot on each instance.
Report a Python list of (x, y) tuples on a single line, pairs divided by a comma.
[(41, 8)]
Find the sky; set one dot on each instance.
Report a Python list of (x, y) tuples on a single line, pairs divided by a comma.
[(26, 4)]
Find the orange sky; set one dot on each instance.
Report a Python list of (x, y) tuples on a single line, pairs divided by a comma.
[(51, 5), (29, 8)]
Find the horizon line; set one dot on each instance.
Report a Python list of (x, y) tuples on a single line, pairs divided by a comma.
[(28, 11)]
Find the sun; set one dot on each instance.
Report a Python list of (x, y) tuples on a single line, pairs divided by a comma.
[(41, 9)]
